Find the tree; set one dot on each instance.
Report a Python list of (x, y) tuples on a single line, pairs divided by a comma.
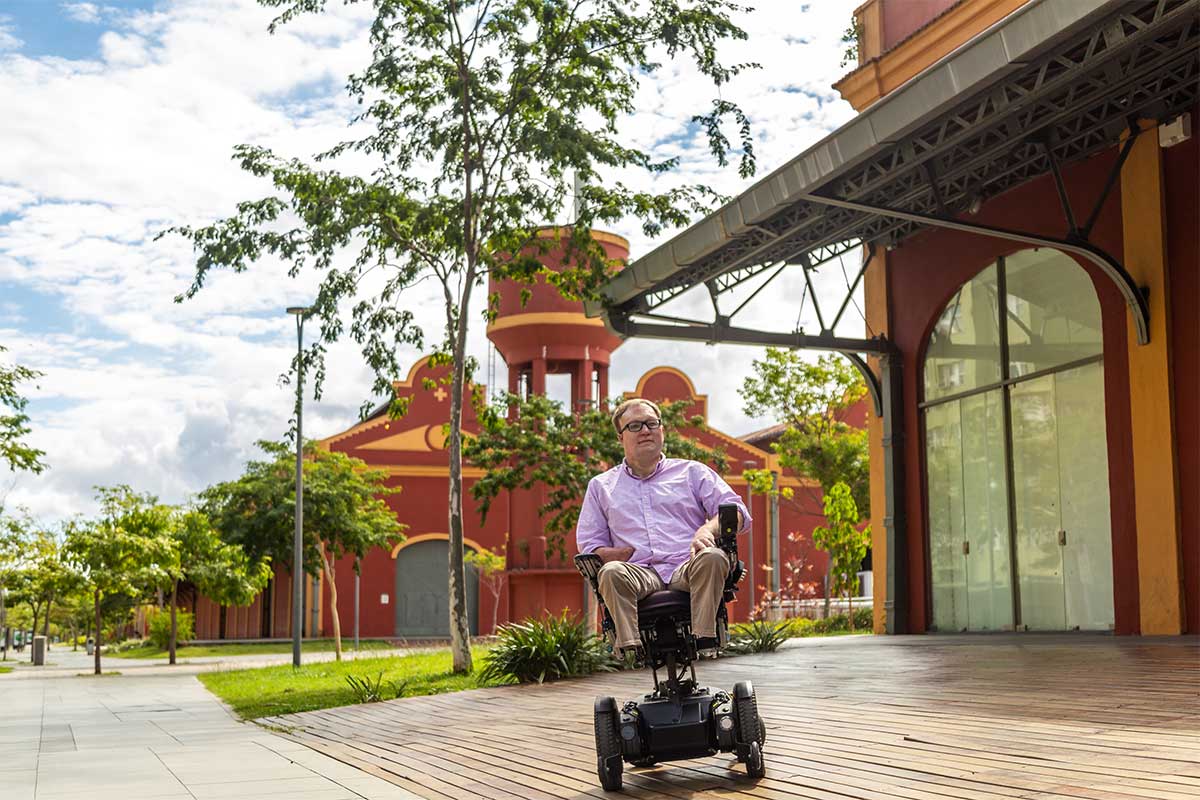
[(481, 115), (14, 424), (846, 544), (344, 513), (16, 533), (222, 572), (126, 550), (811, 398), (42, 579), (540, 444), (491, 573)]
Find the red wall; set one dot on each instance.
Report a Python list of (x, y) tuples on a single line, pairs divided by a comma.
[(901, 18), (1181, 169), (925, 272)]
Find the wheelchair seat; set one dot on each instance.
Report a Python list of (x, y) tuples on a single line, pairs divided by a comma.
[(665, 602)]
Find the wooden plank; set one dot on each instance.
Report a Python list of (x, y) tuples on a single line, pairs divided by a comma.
[(873, 718)]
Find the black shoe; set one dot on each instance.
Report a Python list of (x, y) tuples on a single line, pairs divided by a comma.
[(707, 646)]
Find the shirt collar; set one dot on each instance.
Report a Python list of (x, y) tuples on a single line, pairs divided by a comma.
[(629, 470)]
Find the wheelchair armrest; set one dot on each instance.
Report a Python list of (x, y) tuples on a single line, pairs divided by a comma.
[(589, 565), (727, 528)]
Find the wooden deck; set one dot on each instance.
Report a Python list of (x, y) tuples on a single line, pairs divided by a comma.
[(980, 717)]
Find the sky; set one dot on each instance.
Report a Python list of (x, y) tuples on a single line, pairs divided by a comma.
[(119, 120)]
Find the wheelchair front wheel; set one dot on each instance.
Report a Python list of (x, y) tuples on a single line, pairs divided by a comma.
[(608, 744), (755, 768)]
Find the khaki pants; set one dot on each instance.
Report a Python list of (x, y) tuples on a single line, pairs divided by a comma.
[(622, 584)]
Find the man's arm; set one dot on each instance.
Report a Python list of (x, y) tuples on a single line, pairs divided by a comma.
[(592, 534), (713, 492), (706, 534)]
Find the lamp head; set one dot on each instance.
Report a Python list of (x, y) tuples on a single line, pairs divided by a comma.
[(298, 310)]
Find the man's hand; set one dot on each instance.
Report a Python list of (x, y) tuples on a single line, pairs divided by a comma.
[(608, 554), (703, 538)]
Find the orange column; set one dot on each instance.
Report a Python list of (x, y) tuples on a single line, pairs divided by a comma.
[(875, 297), (1151, 407)]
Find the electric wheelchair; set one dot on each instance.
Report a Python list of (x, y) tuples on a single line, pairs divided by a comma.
[(680, 719)]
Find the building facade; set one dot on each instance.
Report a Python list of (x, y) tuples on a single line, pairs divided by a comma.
[(1022, 180), (403, 593)]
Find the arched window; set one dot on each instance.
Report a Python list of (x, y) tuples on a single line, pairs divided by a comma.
[(1016, 456)]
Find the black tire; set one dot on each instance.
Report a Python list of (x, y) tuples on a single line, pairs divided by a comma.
[(750, 727), (755, 768), (608, 745)]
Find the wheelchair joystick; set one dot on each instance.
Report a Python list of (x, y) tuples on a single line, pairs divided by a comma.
[(679, 719)]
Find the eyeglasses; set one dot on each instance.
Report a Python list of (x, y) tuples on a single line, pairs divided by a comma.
[(637, 425)]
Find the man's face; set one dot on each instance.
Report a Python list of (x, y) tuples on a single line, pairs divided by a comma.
[(643, 445)]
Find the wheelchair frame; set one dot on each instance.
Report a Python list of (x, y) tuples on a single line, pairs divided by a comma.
[(679, 719)]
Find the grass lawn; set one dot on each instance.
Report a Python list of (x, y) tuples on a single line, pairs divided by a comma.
[(249, 649), (4, 669), (268, 691)]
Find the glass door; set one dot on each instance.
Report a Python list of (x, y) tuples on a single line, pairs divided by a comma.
[(968, 515), (1038, 505), (985, 492), (1083, 488), (1060, 477)]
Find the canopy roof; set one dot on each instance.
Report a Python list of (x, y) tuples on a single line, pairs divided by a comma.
[(1056, 81)]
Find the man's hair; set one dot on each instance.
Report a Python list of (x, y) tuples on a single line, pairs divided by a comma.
[(626, 405)]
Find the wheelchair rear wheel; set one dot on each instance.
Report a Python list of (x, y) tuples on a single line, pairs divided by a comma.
[(608, 744)]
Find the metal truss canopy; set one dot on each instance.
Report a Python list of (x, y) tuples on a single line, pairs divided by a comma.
[(1056, 81)]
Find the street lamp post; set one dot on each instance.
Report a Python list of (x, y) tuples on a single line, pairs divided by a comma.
[(299, 312)]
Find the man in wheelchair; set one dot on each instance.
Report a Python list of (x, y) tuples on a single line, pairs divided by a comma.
[(653, 523), (657, 541)]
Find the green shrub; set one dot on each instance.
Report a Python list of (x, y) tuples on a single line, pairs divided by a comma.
[(759, 636), (128, 644), (545, 649), (365, 689), (837, 623), (160, 628)]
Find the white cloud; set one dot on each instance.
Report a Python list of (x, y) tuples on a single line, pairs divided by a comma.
[(8, 39), (88, 13), (99, 155)]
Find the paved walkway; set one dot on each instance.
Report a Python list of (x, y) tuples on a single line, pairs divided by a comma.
[(151, 733)]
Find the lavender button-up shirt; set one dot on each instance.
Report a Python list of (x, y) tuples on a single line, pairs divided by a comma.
[(657, 516)]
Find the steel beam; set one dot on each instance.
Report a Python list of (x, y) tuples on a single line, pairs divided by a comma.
[(1130, 291), (714, 332)]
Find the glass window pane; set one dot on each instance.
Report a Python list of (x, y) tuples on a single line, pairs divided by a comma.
[(964, 348), (943, 452), (985, 504), (1038, 508), (1083, 478), (1053, 314)]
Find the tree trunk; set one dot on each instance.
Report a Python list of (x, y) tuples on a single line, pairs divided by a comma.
[(850, 608), (32, 629), (46, 621), (460, 630), (174, 623), (828, 585), (97, 650), (333, 603), (496, 608)]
